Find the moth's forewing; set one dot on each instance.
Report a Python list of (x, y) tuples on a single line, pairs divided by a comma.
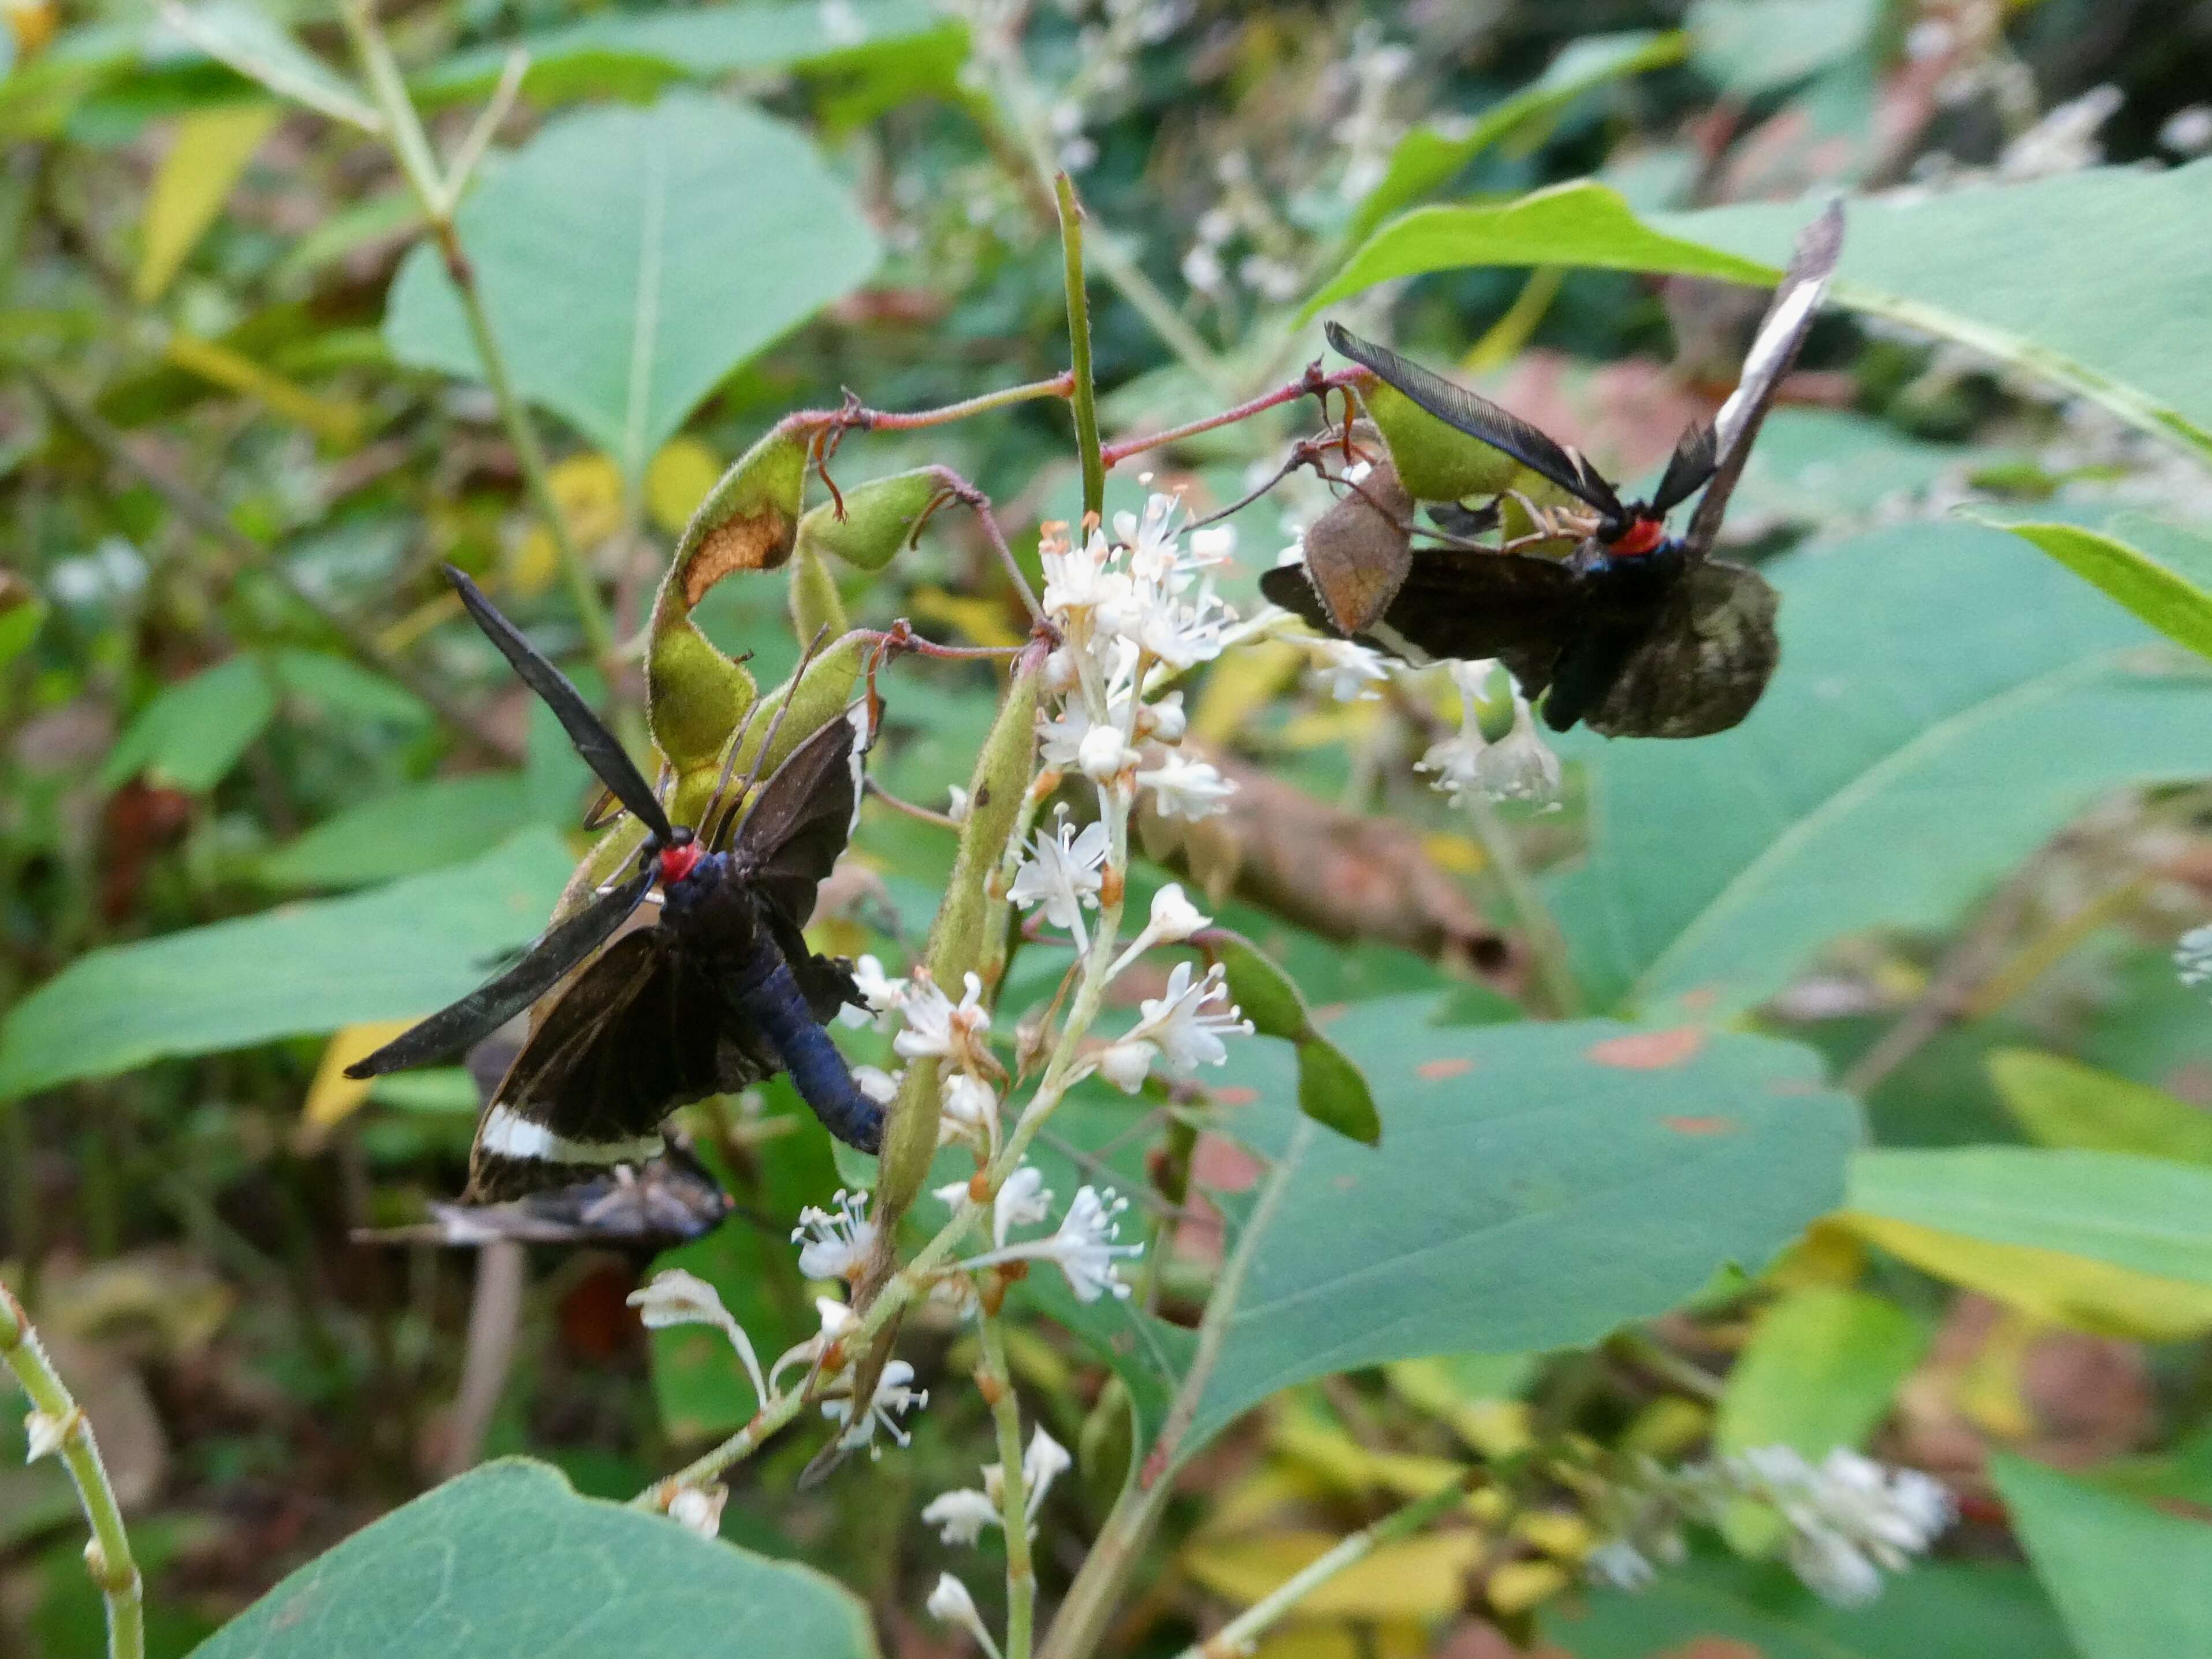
[(667, 1200), (1358, 553), (1704, 663), (490, 1005), (798, 821), (1470, 605)]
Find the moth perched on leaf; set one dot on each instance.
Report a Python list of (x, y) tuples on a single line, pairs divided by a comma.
[(718, 991), (1637, 633)]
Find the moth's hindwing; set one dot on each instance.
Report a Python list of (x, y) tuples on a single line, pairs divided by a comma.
[(1704, 664)]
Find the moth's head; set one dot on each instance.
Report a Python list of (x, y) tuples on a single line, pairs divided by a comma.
[(1638, 530), (680, 857)]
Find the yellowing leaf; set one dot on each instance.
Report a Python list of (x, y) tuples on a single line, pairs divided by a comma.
[(2067, 1290), (983, 622), (1240, 685), (325, 417), (589, 488), (1463, 855), (1335, 1455), (333, 1096), (678, 481), (1520, 1585), (1557, 1533), (194, 180), (2062, 1102), (1818, 1372), (1387, 1638), (1419, 1577)]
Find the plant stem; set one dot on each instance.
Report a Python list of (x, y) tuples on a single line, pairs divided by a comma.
[(1546, 943), (1312, 383), (1236, 1637), (1080, 1624), (1014, 1490), (212, 522), (436, 195), (1061, 386), (108, 1556), (1078, 346)]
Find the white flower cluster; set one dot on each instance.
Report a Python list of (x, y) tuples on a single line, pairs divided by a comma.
[(1085, 1246), (932, 1024), (2192, 955), (1517, 767), (960, 1515), (1848, 1517)]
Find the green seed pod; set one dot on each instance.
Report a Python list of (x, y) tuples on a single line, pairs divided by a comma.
[(820, 698), (881, 516), (1436, 462), (695, 695), (813, 598)]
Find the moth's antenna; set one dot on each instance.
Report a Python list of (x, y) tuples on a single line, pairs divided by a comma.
[(774, 726), (722, 781)]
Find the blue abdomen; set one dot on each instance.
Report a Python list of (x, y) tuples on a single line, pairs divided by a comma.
[(818, 1070)]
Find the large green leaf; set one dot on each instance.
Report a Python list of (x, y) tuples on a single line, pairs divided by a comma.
[(1818, 1372), (399, 951), (421, 826), (1748, 47), (632, 257), (2092, 280), (2062, 1103), (508, 1563), (2145, 1215), (1537, 1185), (2163, 591), (1946, 1608), (626, 50), (1947, 700), (2131, 1581)]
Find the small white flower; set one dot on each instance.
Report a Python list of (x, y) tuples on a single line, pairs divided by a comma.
[(837, 1320), (969, 1111), (1185, 788), (1174, 918), (1848, 1518), (1214, 545), (958, 809), (700, 1508), (1180, 1025), (1023, 1201), (1620, 1565), (1063, 875), (1127, 1064), (47, 1433), (2192, 954), (1202, 269), (1349, 669), (960, 1514), (894, 1396), (1077, 579), (1519, 766), (1083, 1248), (677, 1298), (883, 991), (834, 1243), (950, 1604), (952, 1195), (1163, 721), (1043, 1461), (1178, 634), (876, 1084), (1103, 756), (937, 1025)]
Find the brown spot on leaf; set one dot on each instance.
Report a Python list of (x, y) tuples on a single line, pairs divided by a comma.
[(1223, 1166), (1328, 1011), (1713, 1647), (1236, 1095), (1435, 1071), (1650, 1051), (744, 541), (1703, 997), (1700, 1126)]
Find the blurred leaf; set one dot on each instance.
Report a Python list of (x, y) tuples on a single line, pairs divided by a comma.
[(1748, 47), (2062, 1103), (507, 1562), (1422, 1578), (1426, 159), (909, 41), (2131, 1580), (333, 1096), (1720, 1607), (2106, 1241), (1331, 1090), (1818, 1372), (1896, 765), (250, 39), (193, 732), (1333, 1093), (203, 164), (22, 613), (1533, 1191), (417, 827), (2009, 270), (630, 258), (2166, 598), (339, 687), (398, 952), (678, 481), (339, 422)]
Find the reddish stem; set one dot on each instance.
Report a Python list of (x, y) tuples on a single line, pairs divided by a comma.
[(1313, 383)]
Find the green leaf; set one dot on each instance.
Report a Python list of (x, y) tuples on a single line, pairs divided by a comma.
[(1426, 159), (637, 53), (1748, 47), (2163, 597), (1898, 763), (2131, 1581), (193, 732), (2007, 268), (423, 826), (198, 172), (247, 38), (2062, 1103), (1333, 1093), (1537, 1185), (630, 258), (507, 1562), (339, 687), (1727, 1608), (1818, 1372), (22, 613), (393, 953)]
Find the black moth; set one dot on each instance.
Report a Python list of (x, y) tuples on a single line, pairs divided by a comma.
[(718, 992), (1638, 633), (669, 1200)]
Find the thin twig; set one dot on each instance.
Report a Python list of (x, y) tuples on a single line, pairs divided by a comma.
[(1311, 383), (107, 1557), (495, 1312), (997, 1380), (212, 522), (1079, 347)]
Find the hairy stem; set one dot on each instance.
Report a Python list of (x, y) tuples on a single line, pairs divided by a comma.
[(1312, 383), (107, 1557), (1079, 347), (998, 1383)]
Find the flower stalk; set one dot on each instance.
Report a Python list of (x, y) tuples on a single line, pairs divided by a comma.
[(58, 1423), (998, 1385), (1078, 346)]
